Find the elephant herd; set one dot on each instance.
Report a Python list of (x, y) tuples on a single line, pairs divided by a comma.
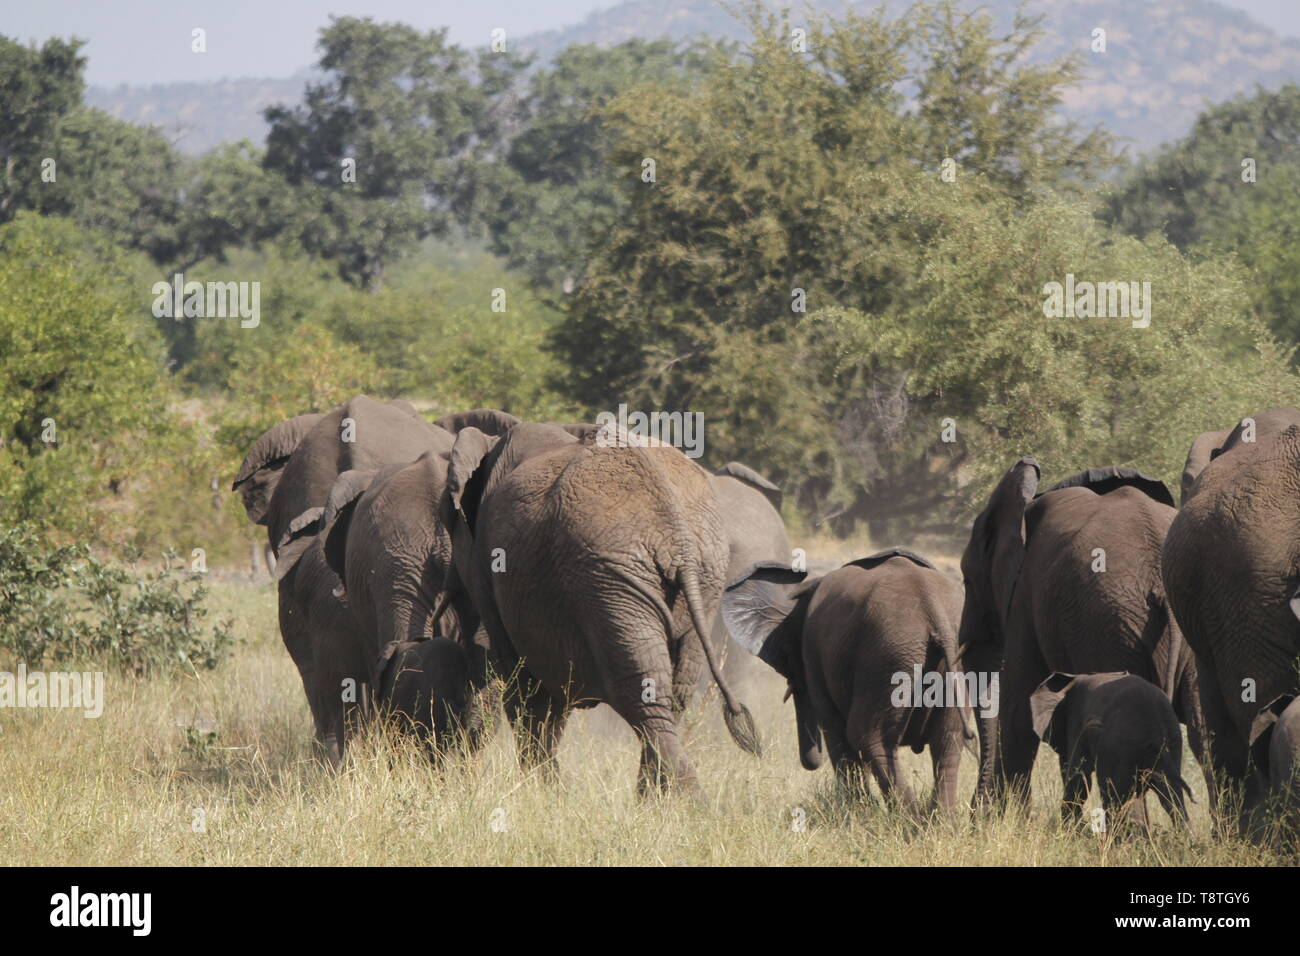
[(430, 572)]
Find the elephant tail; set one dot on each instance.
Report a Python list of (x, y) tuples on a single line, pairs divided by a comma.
[(739, 721)]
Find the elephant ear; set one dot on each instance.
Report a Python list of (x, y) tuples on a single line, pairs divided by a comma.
[(270, 453), (585, 432), (296, 540), (275, 446), (734, 469), (336, 520), (466, 476), (487, 420), (1045, 701), (1103, 480), (1261, 730), (880, 557), (1204, 450), (1003, 530), (764, 614)]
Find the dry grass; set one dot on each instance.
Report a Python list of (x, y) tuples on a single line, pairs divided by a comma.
[(125, 789)]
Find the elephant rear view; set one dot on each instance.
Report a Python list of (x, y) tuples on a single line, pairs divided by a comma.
[(596, 571), (1069, 580), (852, 644), (1120, 727), (1231, 565)]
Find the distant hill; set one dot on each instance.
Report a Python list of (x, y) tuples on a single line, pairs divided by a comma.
[(198, 116), (1163, 62)]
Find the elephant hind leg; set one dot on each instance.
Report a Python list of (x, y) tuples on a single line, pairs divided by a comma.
[(539, 720), (1075, 777), (879, 747), (947, 738)]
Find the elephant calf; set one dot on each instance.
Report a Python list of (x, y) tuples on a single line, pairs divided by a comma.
[(1119, 726), (848, 642), (1275, 748), (425, 688)]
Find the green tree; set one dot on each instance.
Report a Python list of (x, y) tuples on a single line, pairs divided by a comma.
[(38, 88), (1190, 188), (81, 385), (118, 179), (792, 272), (552, 194), (407, 113), (1231, 186)]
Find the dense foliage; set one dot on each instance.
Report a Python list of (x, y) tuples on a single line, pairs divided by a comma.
[(64, 606), (834, 246)]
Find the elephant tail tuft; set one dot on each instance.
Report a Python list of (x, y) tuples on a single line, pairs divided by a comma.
[(739, 721)]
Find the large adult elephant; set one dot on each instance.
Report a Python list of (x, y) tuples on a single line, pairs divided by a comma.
[(1068, 580), (285, 481), (841, 641), (596, 571), (1231, 568), (750, 508)]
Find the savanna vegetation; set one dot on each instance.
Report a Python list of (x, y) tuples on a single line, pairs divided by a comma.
[(835, 251)]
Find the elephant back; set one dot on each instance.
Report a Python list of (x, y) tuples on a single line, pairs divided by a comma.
[(1105, 480)]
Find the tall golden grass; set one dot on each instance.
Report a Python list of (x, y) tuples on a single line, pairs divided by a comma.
[(217, 768)]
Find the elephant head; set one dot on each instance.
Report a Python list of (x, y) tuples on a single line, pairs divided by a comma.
[(260, 472), (1275, 739), (361, 434), (425, 686), (764, 610)]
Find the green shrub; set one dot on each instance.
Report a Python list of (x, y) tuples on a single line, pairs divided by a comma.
[(62, 604)]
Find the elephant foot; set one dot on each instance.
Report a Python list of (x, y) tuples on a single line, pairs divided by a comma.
[(328, 749)]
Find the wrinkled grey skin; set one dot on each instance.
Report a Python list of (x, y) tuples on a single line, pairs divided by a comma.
[(426, 691), (1275, 748), (284, 482), (1230, 565), (613, 563), (382, 433), (382, 537), (1120, 727), (749, 506), (1035, 605), (840, 640)]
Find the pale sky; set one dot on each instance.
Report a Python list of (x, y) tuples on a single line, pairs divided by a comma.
[(148, 41)]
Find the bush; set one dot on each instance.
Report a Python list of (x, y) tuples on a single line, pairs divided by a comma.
[(62, 605)]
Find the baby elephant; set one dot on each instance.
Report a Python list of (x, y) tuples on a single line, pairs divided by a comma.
[(851, 644), (1275, 747), (425, 687), (1119, 726)]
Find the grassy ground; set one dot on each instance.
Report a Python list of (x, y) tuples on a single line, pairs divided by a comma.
[(217, 768)]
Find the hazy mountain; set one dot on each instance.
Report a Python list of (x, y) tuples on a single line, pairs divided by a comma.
[(1163, 61), (199, 116)]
